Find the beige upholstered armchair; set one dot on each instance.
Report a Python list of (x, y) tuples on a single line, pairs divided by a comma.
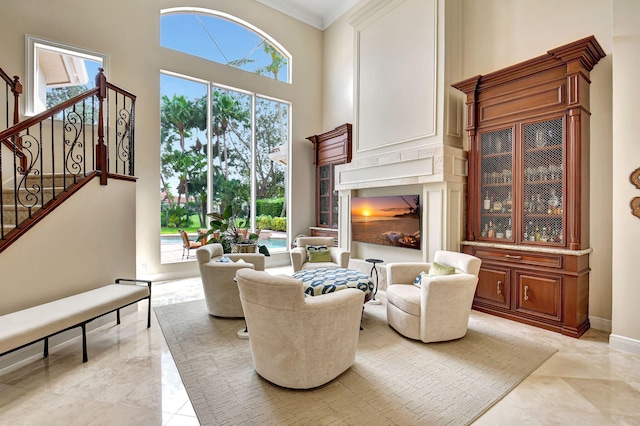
[(220, 291), (299, 342), (339, 257), (438, 309)]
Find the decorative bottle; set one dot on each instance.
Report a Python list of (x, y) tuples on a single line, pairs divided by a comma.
[(508, 232), (497, 206), (508, 203), (532, 235), (487, 202), (539, 204), (553, 203), (544, 237)]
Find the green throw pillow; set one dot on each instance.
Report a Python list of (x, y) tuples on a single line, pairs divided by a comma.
[(319, 256), (314, 248), (438, 269)]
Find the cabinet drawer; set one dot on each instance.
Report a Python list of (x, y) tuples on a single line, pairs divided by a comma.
[(546, 260), (494, 287), (539, 295)]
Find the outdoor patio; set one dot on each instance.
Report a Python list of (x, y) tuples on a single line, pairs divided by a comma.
[(171, 245)]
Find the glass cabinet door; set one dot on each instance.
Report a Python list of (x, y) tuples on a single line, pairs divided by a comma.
[(324, 195), (543, 182), (496, 195)]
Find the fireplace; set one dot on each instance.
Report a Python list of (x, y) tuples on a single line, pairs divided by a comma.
[(436, 176)]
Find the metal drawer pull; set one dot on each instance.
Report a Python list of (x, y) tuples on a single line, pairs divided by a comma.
[(499, 291), (526, 296), (512, 257)]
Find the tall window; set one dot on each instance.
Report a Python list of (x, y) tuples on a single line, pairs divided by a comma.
[(225, 39), (218, 142), (57, 72)]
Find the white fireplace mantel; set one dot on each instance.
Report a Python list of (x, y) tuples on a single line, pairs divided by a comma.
[(408, 167)]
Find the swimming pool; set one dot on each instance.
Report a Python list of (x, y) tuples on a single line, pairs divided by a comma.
[(271, 243)]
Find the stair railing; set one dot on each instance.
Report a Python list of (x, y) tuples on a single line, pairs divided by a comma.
[(57, 151)]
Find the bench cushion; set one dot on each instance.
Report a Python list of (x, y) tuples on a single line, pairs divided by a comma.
[(31, 324)]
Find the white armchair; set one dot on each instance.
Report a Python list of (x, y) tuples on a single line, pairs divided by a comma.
[(299, 342), (439, 308), (220, 291), (339, 256)]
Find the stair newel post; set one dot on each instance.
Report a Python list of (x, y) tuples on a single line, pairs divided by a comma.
[(101, 148), (16, 89)]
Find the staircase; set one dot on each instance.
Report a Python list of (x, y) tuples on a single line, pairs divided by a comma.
[(46, 158)]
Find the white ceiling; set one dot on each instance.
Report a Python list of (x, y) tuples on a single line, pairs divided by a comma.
[(319, 13)]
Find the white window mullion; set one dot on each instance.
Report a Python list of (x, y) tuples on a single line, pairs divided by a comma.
[(209, 152), (253, 207)]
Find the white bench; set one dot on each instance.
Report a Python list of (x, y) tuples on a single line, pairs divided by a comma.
[(23, 328)]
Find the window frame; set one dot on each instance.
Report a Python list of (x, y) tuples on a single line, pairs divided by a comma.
[(32, 45), (211, 86)]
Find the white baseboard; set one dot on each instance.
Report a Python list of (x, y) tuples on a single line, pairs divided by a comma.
[(624, 344), (602, 324)]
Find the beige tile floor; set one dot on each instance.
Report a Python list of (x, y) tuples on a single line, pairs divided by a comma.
[(131, 379)]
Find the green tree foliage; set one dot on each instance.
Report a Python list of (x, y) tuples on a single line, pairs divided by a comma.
[(58, 95), (179, 117)]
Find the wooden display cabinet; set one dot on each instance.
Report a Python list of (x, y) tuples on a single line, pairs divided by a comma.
[(528, 197), (330, 148)]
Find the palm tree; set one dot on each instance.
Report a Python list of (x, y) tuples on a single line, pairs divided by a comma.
[(228, 115), (178, 117)]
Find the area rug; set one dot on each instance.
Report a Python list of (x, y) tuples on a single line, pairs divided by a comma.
[(394, 380)]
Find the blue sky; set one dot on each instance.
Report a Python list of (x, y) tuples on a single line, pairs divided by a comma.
[(215, 39)]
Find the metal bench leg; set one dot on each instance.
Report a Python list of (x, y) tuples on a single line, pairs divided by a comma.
[(149, 313), (46, 347), (85, 358)]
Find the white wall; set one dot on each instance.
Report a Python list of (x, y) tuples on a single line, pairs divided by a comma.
[(129, 32), (86, 242), (626, 159)]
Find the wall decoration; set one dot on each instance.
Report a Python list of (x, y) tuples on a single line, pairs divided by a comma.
[(635, 177), (386, 220), (635, 207)]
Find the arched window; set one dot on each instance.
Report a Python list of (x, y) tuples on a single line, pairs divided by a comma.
[(225, 39), (222, 145)]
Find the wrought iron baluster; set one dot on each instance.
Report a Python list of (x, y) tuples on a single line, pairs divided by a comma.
[(53, 153)]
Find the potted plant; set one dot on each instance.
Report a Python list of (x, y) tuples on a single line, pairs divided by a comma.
[(230, 231)]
